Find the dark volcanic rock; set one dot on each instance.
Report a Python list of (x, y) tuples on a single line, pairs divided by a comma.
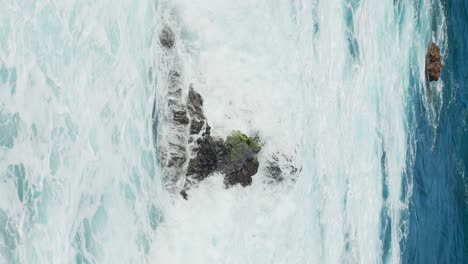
[(241, 163), (175, 84), (241, 173), (177, 156), (236, 158), (195, 109), (184, 194), (180, 116), (167, 38), (433, 63), (210, 153)]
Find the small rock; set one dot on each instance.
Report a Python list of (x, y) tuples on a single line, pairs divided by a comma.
[(167, 38), (433, 63), (274, 171), (184, 194)]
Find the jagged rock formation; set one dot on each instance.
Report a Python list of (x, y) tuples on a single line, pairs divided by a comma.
[(236, 157), (195, 109), (208, 154), (178, 121), (433, 63), (172, 131)]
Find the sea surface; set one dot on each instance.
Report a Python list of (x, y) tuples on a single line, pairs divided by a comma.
[(335, 88), (438, 209)]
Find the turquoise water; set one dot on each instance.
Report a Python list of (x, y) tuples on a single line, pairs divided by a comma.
[(336, 86), (438, 226), (78, 179)]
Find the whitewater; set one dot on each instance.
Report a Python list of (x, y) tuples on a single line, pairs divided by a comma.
[(337, 86)]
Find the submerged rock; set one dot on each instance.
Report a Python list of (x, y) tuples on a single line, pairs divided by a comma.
[(433, 63), (167, 37), (280, 167), (273, 170)]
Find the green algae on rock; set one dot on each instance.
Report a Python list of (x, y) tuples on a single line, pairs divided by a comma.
[(237, 141)]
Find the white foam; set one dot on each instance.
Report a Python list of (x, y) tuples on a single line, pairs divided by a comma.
[(285, 69)]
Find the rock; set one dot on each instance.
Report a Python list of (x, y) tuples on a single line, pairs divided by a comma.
[(241, 173), (180, 117), (236, 158), (241, 162), (167, 38), (238, 142), (273, 170), (195, 109), (177, 156), (171, 136), (174, 84), (184, 194), (433, 63), (210, 153)]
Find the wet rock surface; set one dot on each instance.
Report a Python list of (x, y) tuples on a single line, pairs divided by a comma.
[(241, 161), (433, 63), (209, 154), (167, 38), (195, 109), (170, 119), (175, 154), (180, 116), (236, 157)]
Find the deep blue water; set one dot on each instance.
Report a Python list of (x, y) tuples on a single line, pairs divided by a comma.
[(438, 230)]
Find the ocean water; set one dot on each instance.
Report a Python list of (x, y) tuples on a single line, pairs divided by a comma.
[(78, 180), (335, 87), (438, 208)]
